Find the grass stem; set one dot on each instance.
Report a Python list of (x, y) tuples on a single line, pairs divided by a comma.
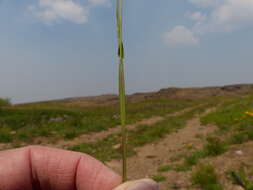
[(122, 96)]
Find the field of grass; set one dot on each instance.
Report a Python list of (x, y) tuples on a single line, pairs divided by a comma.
[(235, 118), (141, 135), (58, 121), (26, 122)]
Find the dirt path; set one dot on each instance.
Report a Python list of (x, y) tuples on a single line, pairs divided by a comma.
[(150, 157), (93, 137)]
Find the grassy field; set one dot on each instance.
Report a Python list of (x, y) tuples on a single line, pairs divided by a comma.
[(54, 120), (140, 136), (226, 118)]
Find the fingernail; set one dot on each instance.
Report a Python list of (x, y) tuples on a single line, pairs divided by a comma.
[(143, 184)]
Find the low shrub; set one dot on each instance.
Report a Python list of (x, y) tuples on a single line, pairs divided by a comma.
[(240, 178), (206, 177), (4, 102), (214, 147)]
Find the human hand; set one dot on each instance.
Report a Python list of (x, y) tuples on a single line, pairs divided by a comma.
[(42, 168)]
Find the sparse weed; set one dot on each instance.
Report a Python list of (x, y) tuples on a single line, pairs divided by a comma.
[(238, 138), (214, 147), (70, 135), (165, 168), (159, 178), (182, 167), (103, 149), (193, 158), (240, 178), (206, 177), (234, 121)]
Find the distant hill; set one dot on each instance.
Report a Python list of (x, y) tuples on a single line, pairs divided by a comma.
[(172, 92)]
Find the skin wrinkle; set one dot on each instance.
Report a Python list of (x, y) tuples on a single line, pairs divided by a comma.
[(100, 174), (50, 184), (33, 180), (82, 166), (27, 155), (76, 169), (34, 176), (60, 169), (44, 180)]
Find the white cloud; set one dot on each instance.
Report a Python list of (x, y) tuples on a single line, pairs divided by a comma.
[(54, 11), (223, 16), (228, 16), (234, 12), (180, 35)]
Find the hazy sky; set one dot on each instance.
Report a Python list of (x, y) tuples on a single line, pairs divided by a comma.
[(63, 48)]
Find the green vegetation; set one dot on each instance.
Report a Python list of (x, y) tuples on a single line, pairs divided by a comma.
[(178, 168), (193, 158), (122, 94), (235, 117), (206, 177), (159, 178), (165, 168), (235, 120), (5, 136), (240, 178), (103, 149), (141, 135), (4, 102), (56, 120), (214, 147)]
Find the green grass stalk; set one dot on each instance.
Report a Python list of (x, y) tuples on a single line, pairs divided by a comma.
[(122, 96)]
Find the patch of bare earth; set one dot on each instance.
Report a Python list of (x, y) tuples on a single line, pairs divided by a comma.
[(150, 157)]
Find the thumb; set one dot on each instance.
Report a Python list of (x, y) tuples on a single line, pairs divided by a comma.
[(142, 184)]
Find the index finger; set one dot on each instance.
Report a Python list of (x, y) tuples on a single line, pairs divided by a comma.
[(45, 168)]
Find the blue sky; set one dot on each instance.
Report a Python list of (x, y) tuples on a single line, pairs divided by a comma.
[(53, 49)]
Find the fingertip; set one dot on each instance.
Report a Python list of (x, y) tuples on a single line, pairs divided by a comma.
[(94, 175)]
